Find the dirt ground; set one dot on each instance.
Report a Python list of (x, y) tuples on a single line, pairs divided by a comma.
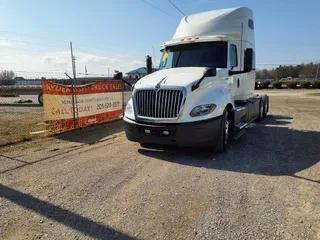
[(97, 185)]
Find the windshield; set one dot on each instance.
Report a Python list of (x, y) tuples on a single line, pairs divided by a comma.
[(212, 54)]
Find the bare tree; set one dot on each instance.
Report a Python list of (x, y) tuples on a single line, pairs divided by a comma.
[(7, 77)]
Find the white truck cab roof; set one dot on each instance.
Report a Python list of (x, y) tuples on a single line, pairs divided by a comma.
[(216, 25)]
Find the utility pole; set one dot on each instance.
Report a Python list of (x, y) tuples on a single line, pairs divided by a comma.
[(73, 59), (317, 71), (289, 71), (72, 87), (108, 72)]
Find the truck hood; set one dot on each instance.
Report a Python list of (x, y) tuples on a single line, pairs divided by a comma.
[(171, 77)]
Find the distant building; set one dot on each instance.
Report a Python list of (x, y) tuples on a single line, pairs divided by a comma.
[(138, 73)]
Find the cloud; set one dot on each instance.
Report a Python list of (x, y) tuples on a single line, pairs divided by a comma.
[(61, 62), (4, 43), (10, 42)]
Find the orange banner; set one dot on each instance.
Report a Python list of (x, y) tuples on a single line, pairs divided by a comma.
[(93, 103)]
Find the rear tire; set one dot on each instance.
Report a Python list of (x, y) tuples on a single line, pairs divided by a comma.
[(40, 99), (261, 110), (266, 107), (222, 141)]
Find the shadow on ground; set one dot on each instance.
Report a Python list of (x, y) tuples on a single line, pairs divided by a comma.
[(93, 134), (268, 148), (63, 216)]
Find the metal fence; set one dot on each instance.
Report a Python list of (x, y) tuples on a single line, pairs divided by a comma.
[(21, 109)]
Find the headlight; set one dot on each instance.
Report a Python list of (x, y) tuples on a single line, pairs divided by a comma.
[(202, 110), (128, 108)]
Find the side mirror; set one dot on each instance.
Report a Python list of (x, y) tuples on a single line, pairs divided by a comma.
[(118, 76), (248, 60), (210, 72)]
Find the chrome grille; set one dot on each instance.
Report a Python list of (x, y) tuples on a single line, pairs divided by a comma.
[(165, 103)]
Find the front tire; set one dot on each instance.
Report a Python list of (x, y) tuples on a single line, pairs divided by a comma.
[(222, 141)]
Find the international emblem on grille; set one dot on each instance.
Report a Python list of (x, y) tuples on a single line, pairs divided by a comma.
[(157, 87)]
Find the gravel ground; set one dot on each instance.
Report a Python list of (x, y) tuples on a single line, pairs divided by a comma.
[(97, 185)]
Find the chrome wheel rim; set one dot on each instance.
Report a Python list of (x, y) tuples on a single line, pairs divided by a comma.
[(261, 110), (226, 131)]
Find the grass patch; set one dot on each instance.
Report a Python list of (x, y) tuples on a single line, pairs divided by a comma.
[(313, 94), (17, 128)]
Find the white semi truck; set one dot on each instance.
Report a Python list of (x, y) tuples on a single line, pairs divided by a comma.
[(203, 94)]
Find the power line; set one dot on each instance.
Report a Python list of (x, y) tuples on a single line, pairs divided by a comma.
[(38, 72), (33, 43), (177, 8), (158, 9), (74, 43), (22, 49), (30, 36), (21, 71)]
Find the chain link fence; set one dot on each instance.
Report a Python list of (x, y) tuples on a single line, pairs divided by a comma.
[(21, 102)]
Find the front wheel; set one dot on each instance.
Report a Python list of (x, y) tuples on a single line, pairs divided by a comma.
[(222, 141)]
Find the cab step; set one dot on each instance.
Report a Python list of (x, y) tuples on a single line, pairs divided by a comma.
[(241, 125)]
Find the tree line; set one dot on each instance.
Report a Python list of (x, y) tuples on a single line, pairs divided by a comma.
[(7, 77), (303, 70)]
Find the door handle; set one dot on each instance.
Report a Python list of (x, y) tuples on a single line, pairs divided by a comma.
[(238, 83)]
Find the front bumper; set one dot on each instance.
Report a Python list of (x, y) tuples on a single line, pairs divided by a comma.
[(194, 134)]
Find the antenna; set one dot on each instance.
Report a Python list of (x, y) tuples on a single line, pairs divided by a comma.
[(241, 52)]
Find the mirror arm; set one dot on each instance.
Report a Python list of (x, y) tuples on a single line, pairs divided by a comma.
[(197, 84)]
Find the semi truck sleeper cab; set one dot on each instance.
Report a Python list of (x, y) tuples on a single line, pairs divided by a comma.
[(203, 94)]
